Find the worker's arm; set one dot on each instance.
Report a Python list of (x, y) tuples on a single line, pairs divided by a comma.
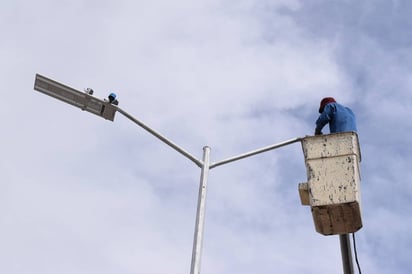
[(324, 118)]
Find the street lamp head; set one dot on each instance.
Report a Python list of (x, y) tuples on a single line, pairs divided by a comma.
[(83, 100)]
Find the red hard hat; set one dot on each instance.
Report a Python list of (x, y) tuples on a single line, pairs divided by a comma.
[(326, 101)]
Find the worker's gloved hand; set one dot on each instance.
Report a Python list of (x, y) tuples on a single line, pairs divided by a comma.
[(318, 132)]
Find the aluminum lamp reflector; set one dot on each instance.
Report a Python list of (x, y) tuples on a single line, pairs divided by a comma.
[(74, 97)]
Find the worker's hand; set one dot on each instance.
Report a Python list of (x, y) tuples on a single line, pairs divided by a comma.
[(318, 132)]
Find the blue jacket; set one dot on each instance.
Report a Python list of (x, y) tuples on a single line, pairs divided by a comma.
[(340, 119)]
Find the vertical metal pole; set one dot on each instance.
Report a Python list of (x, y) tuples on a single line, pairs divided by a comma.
[(200, 214), (346, 254)]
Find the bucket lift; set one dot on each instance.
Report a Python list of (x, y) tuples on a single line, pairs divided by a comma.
[(333, 187)]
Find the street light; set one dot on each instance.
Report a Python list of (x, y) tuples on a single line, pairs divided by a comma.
[(79, 99), (107, 110)]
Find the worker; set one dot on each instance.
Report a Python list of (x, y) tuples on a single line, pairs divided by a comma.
[(339, 117)]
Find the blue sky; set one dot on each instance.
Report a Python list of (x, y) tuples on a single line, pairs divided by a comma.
[(83, 195)]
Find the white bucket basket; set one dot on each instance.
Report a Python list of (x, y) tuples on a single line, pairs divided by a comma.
[(333, 186)]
